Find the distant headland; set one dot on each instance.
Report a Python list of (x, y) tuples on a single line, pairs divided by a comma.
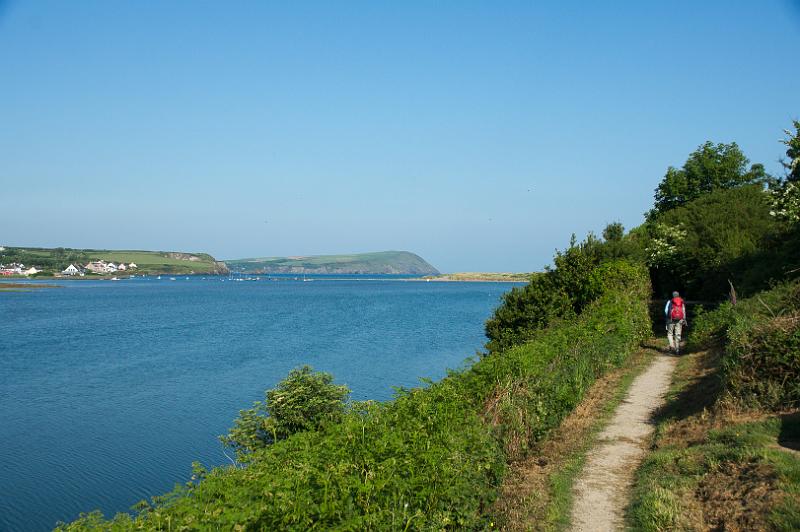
[(382, 262)]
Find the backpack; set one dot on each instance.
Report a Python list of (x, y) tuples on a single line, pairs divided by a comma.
[(676, 311)]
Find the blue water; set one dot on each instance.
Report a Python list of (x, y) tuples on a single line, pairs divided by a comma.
[(109, 390)]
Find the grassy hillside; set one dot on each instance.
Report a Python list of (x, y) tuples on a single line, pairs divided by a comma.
[(54, 260), (395, 262)]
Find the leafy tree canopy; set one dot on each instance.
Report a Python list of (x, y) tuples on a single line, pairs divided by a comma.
[(710, 167), (614, 232)]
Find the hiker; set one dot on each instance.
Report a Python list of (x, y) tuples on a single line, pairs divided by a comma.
[(675, 312)]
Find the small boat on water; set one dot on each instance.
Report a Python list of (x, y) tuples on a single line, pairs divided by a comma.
[(115, 279), (159, 277), (172, 279)]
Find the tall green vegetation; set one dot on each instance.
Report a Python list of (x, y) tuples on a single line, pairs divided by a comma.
[(786, 195), (760, 341), (698, 247), (559, 293)]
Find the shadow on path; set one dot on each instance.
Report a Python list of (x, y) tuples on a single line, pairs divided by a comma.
[(700, 392), (789, 436)]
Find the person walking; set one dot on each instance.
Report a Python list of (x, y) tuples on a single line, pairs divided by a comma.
[(675, 312)]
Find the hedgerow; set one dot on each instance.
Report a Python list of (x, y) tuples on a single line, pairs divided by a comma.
[(558, 293), (432, 458), (760, 337)]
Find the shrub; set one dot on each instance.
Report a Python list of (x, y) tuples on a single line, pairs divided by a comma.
[(558, 293), (304, 400), (525, 310), (761, 366), (760, 337)]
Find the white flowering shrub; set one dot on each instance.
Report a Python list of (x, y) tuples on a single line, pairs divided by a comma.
[(663, 249), (786, 202)]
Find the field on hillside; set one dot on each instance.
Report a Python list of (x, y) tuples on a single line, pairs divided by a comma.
[(54, 260)]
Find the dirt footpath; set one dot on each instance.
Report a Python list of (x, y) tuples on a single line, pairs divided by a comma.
[(601, 491)]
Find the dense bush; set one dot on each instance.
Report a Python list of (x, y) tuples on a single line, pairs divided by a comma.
[(560, 292), (304, 400), (761, 341), (525, 310), (430, 459)]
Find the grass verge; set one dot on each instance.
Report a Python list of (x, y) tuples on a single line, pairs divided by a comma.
[(714, 467), (537, 493)]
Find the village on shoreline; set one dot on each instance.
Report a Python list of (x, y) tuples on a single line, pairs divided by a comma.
[(99, 267)]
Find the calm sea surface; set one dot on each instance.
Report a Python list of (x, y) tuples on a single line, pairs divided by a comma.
[(109, 390)]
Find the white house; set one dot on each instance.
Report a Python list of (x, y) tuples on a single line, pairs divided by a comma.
[(111, 267), (71, 270), (132, 265), (31, 271), (122, 267)]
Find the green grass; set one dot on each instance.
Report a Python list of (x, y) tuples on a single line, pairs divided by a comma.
[(148, 257), (670, 476)]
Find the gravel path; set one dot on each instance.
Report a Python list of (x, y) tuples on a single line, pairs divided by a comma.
[(601, 491)]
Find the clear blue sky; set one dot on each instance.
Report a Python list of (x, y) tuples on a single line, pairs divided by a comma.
[(477, 134)]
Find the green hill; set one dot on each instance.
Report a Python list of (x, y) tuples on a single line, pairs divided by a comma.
[(382, 262), (54, 260)]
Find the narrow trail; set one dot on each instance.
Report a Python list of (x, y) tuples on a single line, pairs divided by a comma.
[(601, 491)]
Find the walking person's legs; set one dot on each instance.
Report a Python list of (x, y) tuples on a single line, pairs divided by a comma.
[(678, 330), (671, 335)]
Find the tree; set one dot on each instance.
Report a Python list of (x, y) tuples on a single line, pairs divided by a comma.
[(710, 167), (614, 232)]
